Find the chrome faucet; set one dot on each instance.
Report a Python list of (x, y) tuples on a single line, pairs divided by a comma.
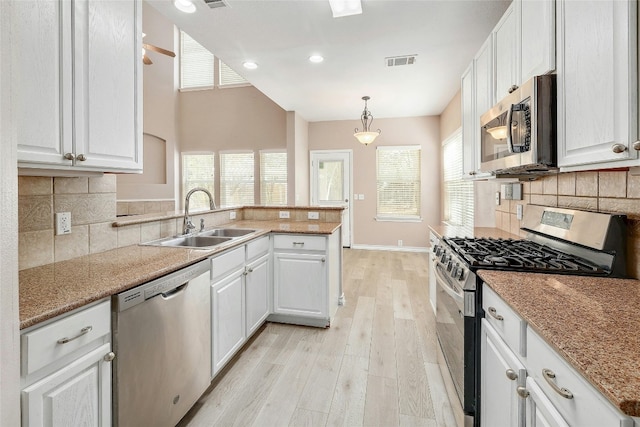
[(187, 225)]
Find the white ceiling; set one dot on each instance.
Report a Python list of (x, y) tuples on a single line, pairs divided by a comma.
[(280, 35)]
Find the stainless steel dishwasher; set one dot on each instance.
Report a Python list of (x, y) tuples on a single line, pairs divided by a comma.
[(162, 340)]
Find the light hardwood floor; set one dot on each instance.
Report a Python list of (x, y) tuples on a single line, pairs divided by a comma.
[(375, 366)]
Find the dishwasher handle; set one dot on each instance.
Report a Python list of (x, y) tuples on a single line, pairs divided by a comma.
[(173, 292)]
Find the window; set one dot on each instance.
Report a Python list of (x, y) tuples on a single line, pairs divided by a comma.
[(196, 64), (198, 170), (273, 178), (458, 193), (398, 182), (236, 179), (228, 77)]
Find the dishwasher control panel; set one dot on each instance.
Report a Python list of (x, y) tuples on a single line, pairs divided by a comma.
[(164, 284)]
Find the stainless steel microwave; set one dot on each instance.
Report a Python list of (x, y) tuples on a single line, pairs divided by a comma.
[(518, 135)]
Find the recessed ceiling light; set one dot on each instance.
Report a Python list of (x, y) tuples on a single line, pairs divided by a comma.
[(345, 7), (250, 65), (316, 58), (185, 6)]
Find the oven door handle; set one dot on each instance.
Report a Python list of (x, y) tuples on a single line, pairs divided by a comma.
[(458, 296)]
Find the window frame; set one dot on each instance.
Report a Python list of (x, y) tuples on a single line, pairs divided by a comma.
[(183, 187), (466, 202), (221, 154), (286, 181), (400, 217), (180, 69)]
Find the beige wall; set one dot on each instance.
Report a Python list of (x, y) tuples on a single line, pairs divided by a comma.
[(158, 181), (298, 159), (599, 191), (423, 131), (451, 117)]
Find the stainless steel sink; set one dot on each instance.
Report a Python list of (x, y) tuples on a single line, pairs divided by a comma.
[(227, 232), (191, 241)]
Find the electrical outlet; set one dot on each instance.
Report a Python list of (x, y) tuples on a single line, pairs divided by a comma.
[(232, 215), (361, 197), (63, 223), (399, 242), (313, 215), (284, 214), (519, 212)]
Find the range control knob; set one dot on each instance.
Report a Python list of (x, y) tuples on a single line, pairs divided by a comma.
[(449, 264), (443, 258), (460, 274), (437, 250)]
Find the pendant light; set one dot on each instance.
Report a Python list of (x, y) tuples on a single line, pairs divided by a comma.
[(366, 136)]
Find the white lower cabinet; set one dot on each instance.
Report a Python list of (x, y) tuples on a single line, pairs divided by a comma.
[(66, 370), (545, 391), (257, 294), (300, 284), (227, 316), (502, 374)]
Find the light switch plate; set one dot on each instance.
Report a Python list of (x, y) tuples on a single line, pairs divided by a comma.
[(519, 212), (284, 214), (63, 223), (313, 215)]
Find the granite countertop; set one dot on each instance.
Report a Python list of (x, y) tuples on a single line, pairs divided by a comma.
[(591, 322), (443, 230), (53, 289)]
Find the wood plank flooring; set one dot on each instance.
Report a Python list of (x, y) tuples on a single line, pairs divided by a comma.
[(375, 366)]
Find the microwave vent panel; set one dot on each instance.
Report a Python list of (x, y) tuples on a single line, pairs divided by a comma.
[(215, 3), (395, 61)]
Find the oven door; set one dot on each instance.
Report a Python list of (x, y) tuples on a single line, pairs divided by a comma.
[(455, 329)]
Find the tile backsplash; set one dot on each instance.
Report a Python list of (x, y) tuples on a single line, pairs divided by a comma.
[(598, 191)]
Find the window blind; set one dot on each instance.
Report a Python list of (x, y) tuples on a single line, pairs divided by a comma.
[(458, 193), (398, 182), (198, 170), (196, 64), (236, 179), (228, 76), (273, 178)]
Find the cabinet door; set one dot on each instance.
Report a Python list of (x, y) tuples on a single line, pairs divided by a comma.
[(227, 313), (540, 410), (257, 295), (507, 43), (597, 81), (41, 75), (501, 373), (77, 395), (108, 45), (300, 285), (538, 37), (467, 94)]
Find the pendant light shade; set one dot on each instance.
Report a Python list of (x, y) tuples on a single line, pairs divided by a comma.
[(366, 136)]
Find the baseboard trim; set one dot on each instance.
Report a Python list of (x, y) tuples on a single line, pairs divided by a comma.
[(390, 248)]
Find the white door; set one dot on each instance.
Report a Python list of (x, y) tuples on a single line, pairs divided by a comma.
[(331, 184)]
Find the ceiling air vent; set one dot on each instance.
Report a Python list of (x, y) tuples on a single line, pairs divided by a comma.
[(395, 61), (215, 3)]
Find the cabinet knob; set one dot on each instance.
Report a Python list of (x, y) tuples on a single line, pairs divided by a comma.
[(636, 145), (109, 356), (81, 157), (522, 392), (69, 156), (323, 259), (619, 148), (511, 374), (472, 173), (513, 88)]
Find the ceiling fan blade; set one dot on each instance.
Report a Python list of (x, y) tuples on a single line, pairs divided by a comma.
[(159, 50), (146, 60)]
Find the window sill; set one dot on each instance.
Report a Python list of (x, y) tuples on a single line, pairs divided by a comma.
[(194, 89), (398, 219)]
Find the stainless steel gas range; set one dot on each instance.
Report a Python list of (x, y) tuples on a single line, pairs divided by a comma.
[(559, 241)]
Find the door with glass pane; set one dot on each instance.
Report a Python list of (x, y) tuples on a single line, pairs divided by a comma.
[(331, 184)]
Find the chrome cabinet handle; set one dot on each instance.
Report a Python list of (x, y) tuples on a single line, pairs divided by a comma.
[(522, 392), (636, 145), (81, 157), (511, 374), (298, 243), (619, 148), (109, 356), (548, 375), (493, 313), (250, 270), (70, 156), (83, 331), (472, 173), (323, 259), (513, 88)]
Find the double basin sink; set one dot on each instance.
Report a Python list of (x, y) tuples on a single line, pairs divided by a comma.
[(204, 239)]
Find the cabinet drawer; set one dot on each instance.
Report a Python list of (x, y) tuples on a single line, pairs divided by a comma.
[(587, 407), (44, 345), (257, 247), (299, 242), (227, 262), (510, 327)]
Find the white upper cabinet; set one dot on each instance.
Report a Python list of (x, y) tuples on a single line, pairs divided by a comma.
[(76, 70), (507, 43), (597, 84), (537, 37), (467, 95)]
